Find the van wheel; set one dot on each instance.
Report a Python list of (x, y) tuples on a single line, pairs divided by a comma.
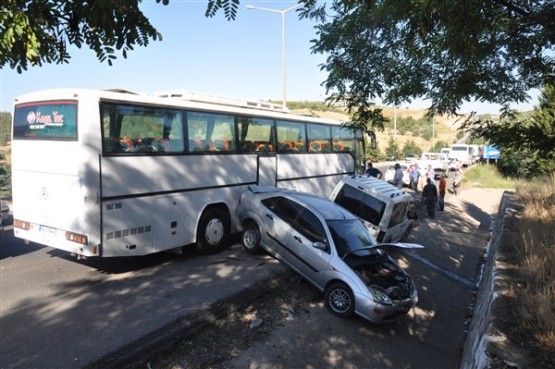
[(339, 300), (251, 238), (213, 231)]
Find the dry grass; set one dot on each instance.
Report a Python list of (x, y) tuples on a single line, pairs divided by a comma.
[(536, 252)]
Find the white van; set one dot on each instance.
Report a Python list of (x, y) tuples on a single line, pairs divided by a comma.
[(438, 161), (383, 208)]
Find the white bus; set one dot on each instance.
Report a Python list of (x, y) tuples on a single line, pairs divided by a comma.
[(112, 173), (462, 152)]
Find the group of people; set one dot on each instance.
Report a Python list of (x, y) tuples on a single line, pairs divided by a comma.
[(431, 195)]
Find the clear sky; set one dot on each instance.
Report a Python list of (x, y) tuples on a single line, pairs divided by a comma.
[(240, 58)]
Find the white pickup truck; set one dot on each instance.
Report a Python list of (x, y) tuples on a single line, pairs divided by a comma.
[(438, 161)]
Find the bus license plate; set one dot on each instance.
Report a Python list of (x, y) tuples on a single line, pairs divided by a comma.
[(46, 229)]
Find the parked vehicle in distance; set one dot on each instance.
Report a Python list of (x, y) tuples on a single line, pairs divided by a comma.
[(384, 209), (476, 153), (438, 161), (330, 248), (446, 151), (390, 173), (462, 153), (411, 158), (454, 165), (4, 212)]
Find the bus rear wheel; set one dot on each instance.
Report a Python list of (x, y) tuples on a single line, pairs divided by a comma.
[(213, 231)]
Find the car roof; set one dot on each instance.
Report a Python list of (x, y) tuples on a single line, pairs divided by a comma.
[(375, 186), (328, 209)]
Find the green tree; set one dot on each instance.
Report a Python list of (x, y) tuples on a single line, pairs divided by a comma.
[(373, 154), (411, 147), (37, 32), (439, 145), (446, 52), (5, 127), (392, 149)]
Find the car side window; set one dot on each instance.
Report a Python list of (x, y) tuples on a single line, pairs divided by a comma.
[(284, 208), (308, 224)]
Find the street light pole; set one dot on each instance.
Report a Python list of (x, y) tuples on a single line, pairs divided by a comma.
[(283, 68), (395, 122)]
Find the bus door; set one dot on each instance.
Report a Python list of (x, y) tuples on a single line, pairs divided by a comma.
[(267, 169)]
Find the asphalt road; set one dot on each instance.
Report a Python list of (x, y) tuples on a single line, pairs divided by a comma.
[(57, 312)]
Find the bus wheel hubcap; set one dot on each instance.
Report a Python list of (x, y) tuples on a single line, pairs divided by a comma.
[(214, 231)]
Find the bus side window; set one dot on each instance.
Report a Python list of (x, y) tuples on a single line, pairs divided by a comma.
[(256, 134), (319, 137), (210, 131)]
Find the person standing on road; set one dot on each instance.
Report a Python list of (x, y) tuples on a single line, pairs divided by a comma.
[(398, 176), (441, 188), (414, 177), (374, 172), (430, 172), (429, 195)]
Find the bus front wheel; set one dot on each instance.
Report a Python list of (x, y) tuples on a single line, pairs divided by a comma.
[(213, 231)]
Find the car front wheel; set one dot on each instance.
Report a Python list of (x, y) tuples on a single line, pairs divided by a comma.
[(251, 238), (339, 300)]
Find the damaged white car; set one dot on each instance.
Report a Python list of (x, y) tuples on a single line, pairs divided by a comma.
[(331, 249)]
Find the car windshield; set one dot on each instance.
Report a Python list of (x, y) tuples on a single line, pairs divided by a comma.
[(349, 235)]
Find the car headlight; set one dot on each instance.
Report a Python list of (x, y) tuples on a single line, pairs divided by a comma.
[(380, 296)]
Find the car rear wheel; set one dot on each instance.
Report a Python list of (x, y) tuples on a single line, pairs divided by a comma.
[(251, 238), (339, 300), (213, 231)]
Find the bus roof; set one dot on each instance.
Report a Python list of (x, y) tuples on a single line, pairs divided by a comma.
[(178, 99)]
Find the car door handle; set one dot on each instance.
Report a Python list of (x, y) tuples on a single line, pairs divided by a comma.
[(298, 239), (269, 216)]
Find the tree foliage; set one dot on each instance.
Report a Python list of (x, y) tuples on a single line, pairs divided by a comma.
[(37, 32), (229, 7), (411, 147), (439, 145), (447, 51), (5, 127), (392, 149)]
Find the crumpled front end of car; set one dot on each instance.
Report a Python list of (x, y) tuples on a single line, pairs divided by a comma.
[(392, 292)]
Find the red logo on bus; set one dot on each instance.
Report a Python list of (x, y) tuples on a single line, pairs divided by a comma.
[(31, 117)]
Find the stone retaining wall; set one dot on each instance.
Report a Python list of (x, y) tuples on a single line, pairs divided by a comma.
[(486, 346)]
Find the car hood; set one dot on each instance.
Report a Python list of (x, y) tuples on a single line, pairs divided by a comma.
[(389, 245), (402, 245)]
